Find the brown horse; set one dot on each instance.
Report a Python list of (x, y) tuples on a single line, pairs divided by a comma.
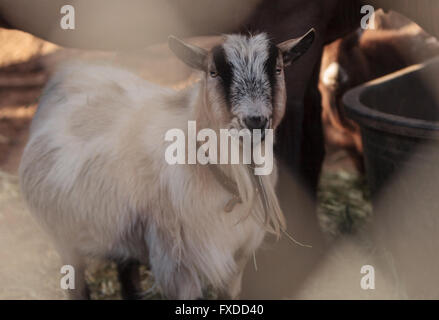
[(395, 43)]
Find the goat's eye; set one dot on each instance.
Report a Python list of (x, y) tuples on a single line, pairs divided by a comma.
[(278, 71), (213, 74)]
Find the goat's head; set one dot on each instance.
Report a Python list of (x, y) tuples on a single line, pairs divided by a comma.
[(244, 78)]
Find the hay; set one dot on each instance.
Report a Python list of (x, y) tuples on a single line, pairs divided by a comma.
[(344, 202), (104, 284)]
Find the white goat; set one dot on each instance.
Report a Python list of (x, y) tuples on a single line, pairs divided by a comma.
[(94, 172)]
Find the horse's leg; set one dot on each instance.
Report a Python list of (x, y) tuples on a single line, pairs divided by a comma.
[(312, 147)]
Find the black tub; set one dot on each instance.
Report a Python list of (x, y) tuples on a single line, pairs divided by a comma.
[(399, 119)]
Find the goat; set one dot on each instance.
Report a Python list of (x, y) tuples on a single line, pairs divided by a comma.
[(361, 56), (94, 175)]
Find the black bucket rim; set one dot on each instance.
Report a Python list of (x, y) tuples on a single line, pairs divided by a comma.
[(399, 125)]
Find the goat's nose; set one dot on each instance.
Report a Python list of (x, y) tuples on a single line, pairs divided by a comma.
[(256, 122)]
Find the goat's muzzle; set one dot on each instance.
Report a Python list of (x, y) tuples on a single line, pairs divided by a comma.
[(257, 122)]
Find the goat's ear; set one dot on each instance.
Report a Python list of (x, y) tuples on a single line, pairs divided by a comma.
[(293, 49), (195, 57)]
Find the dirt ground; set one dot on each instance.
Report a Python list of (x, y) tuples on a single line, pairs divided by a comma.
[(28, 261)]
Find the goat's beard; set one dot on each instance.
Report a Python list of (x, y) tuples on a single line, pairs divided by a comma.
[(258, 191)]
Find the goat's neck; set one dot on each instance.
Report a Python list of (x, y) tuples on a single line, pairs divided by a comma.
[(206, 119), (201, 108), (230, 177)]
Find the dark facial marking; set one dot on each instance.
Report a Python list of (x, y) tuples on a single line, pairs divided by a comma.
[(224, 70)]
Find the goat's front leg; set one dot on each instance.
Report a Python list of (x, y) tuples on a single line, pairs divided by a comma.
[(71, 258), (129, 278)]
